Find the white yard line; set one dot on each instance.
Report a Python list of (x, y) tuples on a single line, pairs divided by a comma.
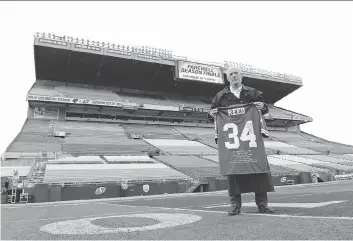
[(72, 217), (288, 205)]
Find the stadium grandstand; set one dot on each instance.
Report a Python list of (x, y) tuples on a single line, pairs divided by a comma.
[(129, 119)]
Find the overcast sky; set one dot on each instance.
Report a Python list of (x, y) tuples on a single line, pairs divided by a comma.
[(313, 40)]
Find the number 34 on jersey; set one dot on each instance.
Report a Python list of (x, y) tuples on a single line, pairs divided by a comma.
[(240, 130), (246, 135)]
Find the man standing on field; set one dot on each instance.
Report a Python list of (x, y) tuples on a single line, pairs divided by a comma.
[(259, 183)]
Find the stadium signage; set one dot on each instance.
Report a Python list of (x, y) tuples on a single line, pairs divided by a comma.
[(192, 109), (79, 101), (51, 41), (200, 72)]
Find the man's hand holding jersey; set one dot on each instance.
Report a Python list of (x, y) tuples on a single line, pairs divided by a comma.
[(259, 105), (213, 112)]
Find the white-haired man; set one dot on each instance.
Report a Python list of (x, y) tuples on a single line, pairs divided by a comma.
[(259, 183)]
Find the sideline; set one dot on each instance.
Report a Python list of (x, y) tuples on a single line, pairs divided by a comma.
[(161, 196)]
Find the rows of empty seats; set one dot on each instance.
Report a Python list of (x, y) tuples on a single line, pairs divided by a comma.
[(214, 158), (286, 148), (36, 126), (42, 89), (182, 147), (278, 161), (345, 157), (8, 171), (281, 170), (316, 163), (337, 160), (334, 148), (78, 160), (192, 164), (88, 93), (99, 138), (142, 98), (152, 131), (37, 138), (184, 101), (304, 142), (130, 147), (128, 159), (202, 134), (34, 147), (18, 162), (109, 172)]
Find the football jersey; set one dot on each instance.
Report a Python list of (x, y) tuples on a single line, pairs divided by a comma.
[(240, 130)]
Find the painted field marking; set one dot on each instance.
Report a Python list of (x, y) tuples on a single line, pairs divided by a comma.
[(84, 226), (261, 214), (285, 205), (243, 213), (70, 217)]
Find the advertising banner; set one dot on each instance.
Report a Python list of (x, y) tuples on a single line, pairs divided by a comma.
[(200, 72), (79, 101)]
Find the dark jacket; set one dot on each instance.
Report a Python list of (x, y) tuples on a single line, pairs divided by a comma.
[(226, 98), (249, 182)]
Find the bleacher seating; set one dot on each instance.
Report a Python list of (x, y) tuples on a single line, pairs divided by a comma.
[(24, 137), (88, 93), (128, 159), (300, 141), (331, 159), (99, 138), (184, 101), (36, 126), (35, 137), (277, 160), (182, 147), (281, 170), (211, 157), (345, 157), (142, 98), (8, 171), (34, 147), (203, 135), (152, 131), (78, 160), (43, 89), (109, 172), (316, 163), (286, 148), (18, 162), (194, 165), (335, 148)]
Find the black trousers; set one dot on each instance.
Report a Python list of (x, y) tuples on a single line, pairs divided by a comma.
[(235, 197)]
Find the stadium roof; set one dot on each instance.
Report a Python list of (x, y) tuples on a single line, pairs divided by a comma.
[(93, 62)]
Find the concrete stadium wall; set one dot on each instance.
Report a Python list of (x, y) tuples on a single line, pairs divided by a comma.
[(45, 193)]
